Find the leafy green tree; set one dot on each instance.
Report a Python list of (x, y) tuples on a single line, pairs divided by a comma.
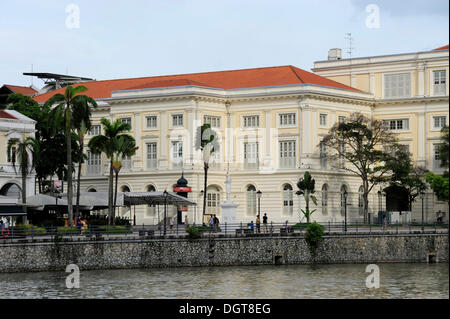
[(64, 105), (107, 144), (19, 151), (82, 124), (439, 183), (306, 187), (405, 174), (125, 147), (207, 142), (362, 144)]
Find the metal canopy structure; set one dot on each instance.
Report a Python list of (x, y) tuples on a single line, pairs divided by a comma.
[(55, 81), (156, 198)]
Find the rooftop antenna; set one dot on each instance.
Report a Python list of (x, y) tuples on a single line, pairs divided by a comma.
[(350, 47)]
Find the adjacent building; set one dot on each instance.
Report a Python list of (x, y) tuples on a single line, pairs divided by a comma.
[(269, 123)]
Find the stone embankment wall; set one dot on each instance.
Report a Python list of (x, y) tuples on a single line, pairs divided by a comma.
[(146, 253)]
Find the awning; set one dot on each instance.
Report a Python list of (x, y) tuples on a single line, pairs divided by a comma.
[(156, 198), (41, 201), (12, 210)]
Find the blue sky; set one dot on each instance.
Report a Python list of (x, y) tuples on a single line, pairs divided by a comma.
[(118, 39)]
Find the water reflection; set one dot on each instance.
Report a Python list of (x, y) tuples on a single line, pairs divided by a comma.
[(274, 282)]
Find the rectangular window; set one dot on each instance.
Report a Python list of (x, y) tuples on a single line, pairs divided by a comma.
[(439, 78), (93, 164), (151, 156), (214, 121), (126, 163), (287, 119), (323, 119), (397, 85), (127, 120), (398, 125), (251, 121), (342, 119), (95, 130), (177, 154), (177, 120), (436, 156), (439, 121), (287, 154), (152, 121), (251, 158)]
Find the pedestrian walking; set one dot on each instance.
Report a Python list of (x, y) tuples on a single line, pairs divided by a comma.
[(211, 223), (171, 224), (251, 226), (216, 223), (258, 223), (265, 222), (186, 220)]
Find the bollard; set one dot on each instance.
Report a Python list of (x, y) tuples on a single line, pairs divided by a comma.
[(225, 228), (356, 226), (396, 226), (329, 227)]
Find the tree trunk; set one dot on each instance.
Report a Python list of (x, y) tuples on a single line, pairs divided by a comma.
[(205, 168), (110, 193), (77, 211), (115, 196), (24, 194), (69, 167)]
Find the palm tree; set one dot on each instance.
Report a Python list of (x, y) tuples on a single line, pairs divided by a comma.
[(125, 147), (208, 144), (65, 104), (306, 188), (18, 151), (82, 123), (107, 144)]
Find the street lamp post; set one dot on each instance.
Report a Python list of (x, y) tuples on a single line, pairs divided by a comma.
[(259, 194), (345, 208), (165, 211), (202, 192), (422, 196)]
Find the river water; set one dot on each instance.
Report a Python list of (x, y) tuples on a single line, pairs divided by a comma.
[(271, 282)]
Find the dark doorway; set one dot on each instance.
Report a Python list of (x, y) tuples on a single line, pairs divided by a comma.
[(397, 199)]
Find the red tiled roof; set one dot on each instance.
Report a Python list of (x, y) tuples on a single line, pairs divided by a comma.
[(235, 79), (5, 115), (445, 47), (25, 90)]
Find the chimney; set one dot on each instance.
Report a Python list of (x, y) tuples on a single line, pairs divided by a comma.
[(334, 54)]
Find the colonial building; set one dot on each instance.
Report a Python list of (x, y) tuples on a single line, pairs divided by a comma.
[(410, 92), (13, 125), (269, 123)]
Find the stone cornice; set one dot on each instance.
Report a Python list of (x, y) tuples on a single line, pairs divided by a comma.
[(412, 100)]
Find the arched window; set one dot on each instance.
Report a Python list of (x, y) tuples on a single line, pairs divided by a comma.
[(125, 189), (324, 199), (212, 200), (92, 190), (11, 190), (288, 199), (343, 201), (125, 210), (361, 200), (251, 200)]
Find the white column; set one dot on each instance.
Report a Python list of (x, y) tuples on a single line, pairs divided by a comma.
[(136, 162), (420, 80), (372, 82), (306, 130), (421, 139), (163, 140), (268, 142)]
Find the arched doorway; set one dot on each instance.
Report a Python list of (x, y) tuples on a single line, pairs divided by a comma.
[(11, 190), (397, 199)]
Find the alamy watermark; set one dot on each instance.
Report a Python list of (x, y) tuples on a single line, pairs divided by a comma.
[(73, 18), (373, 280), (373, 19), (73, 279)]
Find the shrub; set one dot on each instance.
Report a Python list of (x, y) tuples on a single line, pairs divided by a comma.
[(193, 232), (29, 230), (314, 235), (114, 229)]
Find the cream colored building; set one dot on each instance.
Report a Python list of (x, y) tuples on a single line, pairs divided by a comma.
[(13, 125), (269, 122), (411, 92)]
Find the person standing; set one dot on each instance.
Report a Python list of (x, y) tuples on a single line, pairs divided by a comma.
[(171, 224), (216, 223), (265, 222), (258, 223), (211, 223)]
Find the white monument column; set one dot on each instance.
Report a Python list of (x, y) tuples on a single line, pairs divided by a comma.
[(163, 140), (228, 207)]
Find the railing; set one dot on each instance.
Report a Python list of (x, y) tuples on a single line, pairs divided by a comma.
[(55, 233)]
